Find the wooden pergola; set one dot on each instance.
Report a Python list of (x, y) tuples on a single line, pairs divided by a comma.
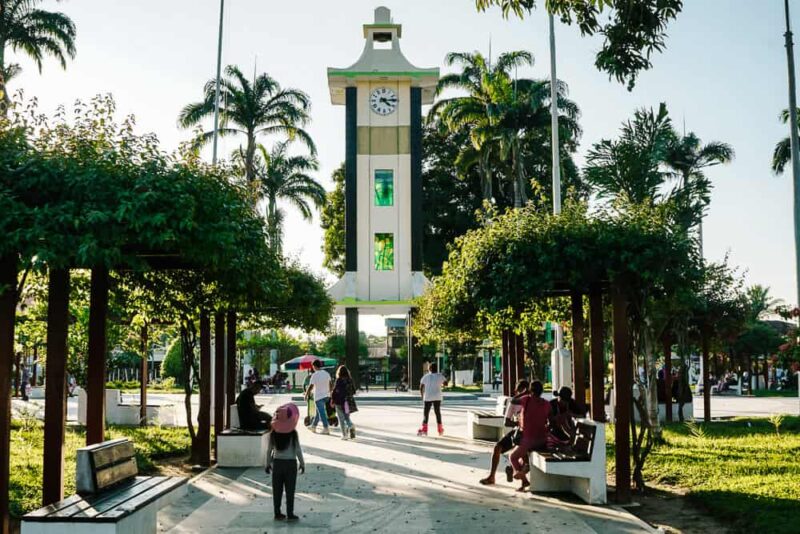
[(513, 357), (55, 384)]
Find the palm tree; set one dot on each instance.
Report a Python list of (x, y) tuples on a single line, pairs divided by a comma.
[(251, 109), (783, 150), (688, 157), (284, 177), (631, 168), (478, 109), (759, 302), (36, 32)]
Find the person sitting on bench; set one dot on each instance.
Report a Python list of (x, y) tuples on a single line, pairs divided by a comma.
[(561, 423), (250, 417), (511, 439)]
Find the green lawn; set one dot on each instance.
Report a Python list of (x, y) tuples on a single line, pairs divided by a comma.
[(741, 471), (775, 393), (151, 444)]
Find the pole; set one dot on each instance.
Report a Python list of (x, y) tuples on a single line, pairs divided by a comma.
[(794, 145), (144, 376), (216, 90), (559, 338)]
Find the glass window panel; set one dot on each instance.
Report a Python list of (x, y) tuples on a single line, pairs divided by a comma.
[(384, 188), (384, 252)]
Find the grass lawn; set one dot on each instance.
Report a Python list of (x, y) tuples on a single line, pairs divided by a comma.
[(27, 439), (740, 471)]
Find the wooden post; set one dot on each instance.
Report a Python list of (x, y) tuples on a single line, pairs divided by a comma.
[(667, 377), (230, 375), (704, 334), (520, 359), (204, 411), (623, 387), (512, 361), (8, 305), (597, 361), (96, 364), (144, 377), (55, 395), (578, 372), (219, 376)]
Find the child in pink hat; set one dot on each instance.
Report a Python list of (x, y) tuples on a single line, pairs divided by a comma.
[(283, 455)]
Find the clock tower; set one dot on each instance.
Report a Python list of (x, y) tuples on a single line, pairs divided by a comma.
[(383, 95)]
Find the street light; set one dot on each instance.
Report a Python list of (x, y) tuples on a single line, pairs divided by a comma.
[(794, 146), (216, 90)]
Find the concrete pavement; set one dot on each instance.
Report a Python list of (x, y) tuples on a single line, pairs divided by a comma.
[(388, 480)]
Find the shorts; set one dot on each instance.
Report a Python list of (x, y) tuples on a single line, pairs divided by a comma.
[(507, 442)]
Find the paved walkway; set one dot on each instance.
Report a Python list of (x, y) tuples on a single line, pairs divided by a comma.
[(388, 480)]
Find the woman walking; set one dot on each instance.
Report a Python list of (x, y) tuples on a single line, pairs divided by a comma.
[(343, 401), (283, 455)]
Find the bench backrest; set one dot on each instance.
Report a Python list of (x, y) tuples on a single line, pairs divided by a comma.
[(502, 404), (583, 442), (104, 465)]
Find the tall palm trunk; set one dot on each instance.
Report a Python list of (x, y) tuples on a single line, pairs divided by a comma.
[(5, 101), (249, 159), (486, 177), (273, 224), (520, 195)]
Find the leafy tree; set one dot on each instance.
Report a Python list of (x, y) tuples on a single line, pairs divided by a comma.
[(37, 33), (251, 109), (760, 302), (332, 221), (632, 31), (334, 346), (283, 177), (261, 345)]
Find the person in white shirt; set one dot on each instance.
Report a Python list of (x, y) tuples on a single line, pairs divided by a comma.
[(430, 388), (320, 385)]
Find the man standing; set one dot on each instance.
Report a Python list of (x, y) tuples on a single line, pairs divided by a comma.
[(511, 438), (535, 414), (430, 389), (250, 417), (320, 384), (25, 382)]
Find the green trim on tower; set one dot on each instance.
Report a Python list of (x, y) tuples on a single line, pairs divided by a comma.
[(379, 74), (350, 180)]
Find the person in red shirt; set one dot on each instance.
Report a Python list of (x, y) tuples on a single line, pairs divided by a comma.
[(535, 413)]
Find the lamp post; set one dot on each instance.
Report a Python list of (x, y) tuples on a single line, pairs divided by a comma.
[(794, 145), (216, 90)]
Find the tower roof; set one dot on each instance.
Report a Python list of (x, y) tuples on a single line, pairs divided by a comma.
[(382, 60)]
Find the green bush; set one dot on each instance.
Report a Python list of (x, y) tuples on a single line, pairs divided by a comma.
[(172, 366), (123, 384), (167, 383)]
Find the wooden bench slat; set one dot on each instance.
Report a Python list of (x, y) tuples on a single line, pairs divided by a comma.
[(143, 499), (113, 454), (107, 477), (95, 505), (55, 507)]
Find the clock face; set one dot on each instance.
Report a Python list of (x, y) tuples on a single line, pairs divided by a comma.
[(383, 101)]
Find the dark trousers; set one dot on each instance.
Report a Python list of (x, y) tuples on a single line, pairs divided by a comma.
[(284, 475), (437, 409)]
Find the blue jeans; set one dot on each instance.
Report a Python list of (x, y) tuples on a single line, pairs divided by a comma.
[(322, 413), (344, 419)]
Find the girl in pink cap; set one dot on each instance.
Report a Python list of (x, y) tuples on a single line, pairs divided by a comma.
[(283, 455)]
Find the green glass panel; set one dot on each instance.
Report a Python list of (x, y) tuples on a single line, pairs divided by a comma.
[(384, 188), (384, 252)]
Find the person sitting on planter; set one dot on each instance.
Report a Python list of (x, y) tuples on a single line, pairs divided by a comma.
[(250, 417)]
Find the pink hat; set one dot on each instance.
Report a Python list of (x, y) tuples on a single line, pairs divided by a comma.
[(286, 418)]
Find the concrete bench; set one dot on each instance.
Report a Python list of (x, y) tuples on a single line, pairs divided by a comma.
[(581, 469), (488, 425), (111, 498), (242, 448), (128, 413)]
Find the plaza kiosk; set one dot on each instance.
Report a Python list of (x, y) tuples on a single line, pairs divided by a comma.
[(383, 95)]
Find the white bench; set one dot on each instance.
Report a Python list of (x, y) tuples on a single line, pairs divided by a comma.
[(110, 499), (487, 425), (581, 471), (128, 413)]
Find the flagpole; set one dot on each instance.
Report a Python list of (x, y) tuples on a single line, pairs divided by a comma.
[(216, 90)]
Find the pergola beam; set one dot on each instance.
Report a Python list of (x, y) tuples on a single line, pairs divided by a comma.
[(597, 361), (230, 373), (578, 371), (203, 445), (8, 304), (219, 377), (667, 341)]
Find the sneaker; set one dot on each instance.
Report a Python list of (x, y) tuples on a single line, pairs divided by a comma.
[(509, 473), (345, 437), (293, 517), (279, 517), (312, 429), (352, 432), (325, 432)]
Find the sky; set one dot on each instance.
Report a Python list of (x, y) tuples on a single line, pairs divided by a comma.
[(723, 76)]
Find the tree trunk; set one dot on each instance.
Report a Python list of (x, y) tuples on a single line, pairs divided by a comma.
[(486, 177), (188, 340), (8, 301), (249, 161), (651, 392)]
